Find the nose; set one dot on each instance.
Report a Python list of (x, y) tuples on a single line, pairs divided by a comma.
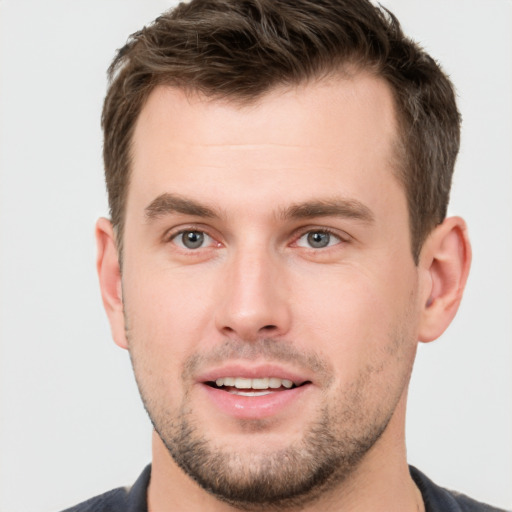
[(254, 301)]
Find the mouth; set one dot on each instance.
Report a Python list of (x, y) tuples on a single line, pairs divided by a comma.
[(254, 392), (254, 387)]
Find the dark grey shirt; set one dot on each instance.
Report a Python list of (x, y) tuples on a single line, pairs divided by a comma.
[(133, 499)]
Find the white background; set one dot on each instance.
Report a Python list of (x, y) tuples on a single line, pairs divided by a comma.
[(71, 421)]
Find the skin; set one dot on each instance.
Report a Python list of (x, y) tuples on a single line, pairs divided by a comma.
[(346, 318)]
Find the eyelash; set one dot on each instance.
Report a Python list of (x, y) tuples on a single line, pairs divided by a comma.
[(342, 238), (172, 237)]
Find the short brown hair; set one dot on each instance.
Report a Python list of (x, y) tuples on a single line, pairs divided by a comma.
[(240, 49)]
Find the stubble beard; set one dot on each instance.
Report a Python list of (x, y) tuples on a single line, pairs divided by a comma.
[(330, 450), (288, 478)]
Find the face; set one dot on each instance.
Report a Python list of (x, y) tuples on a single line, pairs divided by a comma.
[(270, 295)]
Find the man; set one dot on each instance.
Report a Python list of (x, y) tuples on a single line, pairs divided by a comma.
[(278, 176)]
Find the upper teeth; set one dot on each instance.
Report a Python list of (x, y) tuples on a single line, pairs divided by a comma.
[(265, 383)]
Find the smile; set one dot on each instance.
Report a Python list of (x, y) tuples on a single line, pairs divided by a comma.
[(254, 392), (242, 386)]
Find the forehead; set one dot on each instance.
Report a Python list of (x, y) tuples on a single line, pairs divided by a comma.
[(290, 139), (361, 99)]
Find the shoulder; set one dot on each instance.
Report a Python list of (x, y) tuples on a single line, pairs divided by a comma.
[(112, 501), (122, 499), (438, 499)]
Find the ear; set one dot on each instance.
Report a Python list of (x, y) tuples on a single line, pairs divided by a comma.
[(444, 265), (109, 274)]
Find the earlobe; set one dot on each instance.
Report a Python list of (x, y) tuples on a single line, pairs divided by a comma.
[(109, 274), (444, 262)]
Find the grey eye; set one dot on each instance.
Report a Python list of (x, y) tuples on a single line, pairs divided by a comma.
[(191, 239), (317, 239)]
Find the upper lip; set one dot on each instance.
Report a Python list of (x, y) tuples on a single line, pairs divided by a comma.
[(246, 371)]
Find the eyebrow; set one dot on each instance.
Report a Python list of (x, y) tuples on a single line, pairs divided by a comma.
[(166, 204), (337, 207)]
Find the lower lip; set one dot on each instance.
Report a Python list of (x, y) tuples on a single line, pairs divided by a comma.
[(254, 407)]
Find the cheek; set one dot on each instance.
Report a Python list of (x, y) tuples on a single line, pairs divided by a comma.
[(171, 313), (359, 320), (168, 315)]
